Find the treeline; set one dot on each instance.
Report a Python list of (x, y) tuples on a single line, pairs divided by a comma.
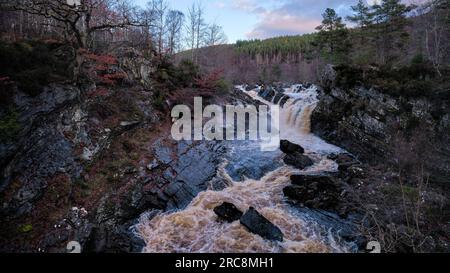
[(286, 47), (385, 34), (95, 23)]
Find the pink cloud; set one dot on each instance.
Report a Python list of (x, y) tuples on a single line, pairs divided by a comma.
[(273, 24)]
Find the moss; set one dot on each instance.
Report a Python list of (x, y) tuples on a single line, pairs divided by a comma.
[(26, 228), (9, 126)]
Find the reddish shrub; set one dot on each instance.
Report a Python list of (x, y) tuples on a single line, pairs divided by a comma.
[(103, 65), (209, 81)]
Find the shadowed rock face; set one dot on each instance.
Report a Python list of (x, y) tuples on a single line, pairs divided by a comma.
[(40, 150), (258, 224), (365, 122)]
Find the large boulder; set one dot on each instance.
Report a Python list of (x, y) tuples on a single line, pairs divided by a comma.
[(288, 147), (298, 160), (258, 224), (228, 212), (294, 155)]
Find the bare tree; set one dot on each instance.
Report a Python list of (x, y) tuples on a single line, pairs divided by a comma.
[(82, 18), (190, 29), (436, 15), (195, 28), (174, 25), (148, 18), (158, 10), (214, 35)]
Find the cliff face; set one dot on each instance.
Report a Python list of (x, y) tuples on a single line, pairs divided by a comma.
[(87, 157), (403, 143), (375, 126)]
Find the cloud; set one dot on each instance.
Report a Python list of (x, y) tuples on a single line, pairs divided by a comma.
[(290, 17), (275, 24), (220, 4)]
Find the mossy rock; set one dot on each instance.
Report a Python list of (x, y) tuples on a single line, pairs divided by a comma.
[(26, 228)]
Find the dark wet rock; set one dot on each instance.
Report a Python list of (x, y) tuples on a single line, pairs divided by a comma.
[(298, 160), (278, 97), (283, 100), (319, 192), (258, 224), (288, 147), (267, 93), (246, 160), (228, 212), (219, 184), (180, 194), (188, 169)]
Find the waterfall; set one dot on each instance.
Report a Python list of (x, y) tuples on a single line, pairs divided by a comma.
[(197, 229), (295, 116)]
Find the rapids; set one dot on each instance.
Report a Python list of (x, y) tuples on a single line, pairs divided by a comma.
[(197, 229)]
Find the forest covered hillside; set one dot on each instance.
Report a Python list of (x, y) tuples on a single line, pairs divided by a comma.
[(385, 43)]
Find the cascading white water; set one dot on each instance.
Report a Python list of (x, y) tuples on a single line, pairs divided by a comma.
[(295, 118), (197, 229)]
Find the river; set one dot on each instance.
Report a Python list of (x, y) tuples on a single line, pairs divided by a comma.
[(255, 179)]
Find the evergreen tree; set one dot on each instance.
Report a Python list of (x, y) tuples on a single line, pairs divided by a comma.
[(389, 29), (333, 37), (362, 15)]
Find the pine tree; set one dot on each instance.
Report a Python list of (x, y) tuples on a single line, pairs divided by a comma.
[(389, 28), (362, 15), (333, 37)]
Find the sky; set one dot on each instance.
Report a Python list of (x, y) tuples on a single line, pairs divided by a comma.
[(261, 19)]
